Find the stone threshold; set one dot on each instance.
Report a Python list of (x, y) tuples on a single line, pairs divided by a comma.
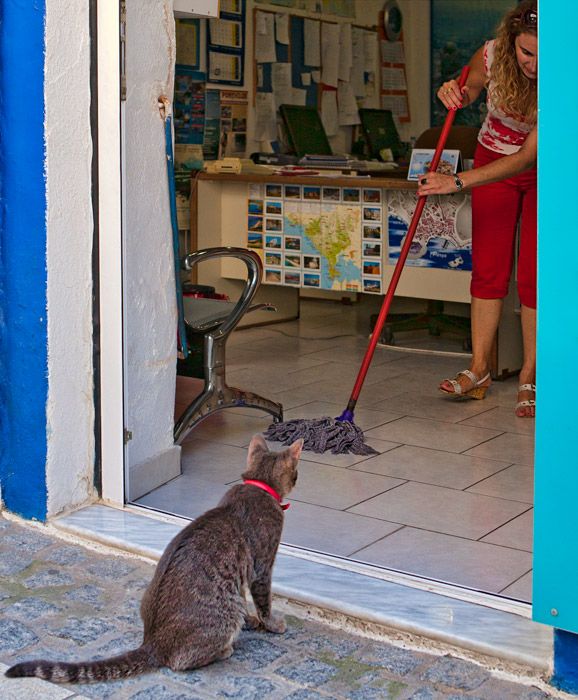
[(367, 597)]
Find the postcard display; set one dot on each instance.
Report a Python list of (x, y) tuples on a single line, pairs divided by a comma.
[(320, 237), (339, 238)]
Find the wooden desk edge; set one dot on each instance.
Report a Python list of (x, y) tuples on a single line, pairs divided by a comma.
[(388, 183)]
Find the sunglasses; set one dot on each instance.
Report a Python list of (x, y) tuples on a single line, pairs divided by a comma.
[(529, 18)]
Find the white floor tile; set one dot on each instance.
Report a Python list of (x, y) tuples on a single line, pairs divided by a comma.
[(502, 418), (314, 527), (516, 534), (520, 589), (431, 466), (515, 483), (434, 434), (441, 510), (518, 449), (451, 559), (337, 488)]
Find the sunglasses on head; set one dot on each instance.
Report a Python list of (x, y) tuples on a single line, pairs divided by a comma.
[(529, 18)]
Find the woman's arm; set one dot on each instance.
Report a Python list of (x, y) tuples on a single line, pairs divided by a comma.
[(449, 92), (501, 169)]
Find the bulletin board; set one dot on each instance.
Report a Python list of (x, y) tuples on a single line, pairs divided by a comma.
[(313, 62)]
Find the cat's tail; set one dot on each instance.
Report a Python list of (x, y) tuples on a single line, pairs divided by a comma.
[(129, 664)]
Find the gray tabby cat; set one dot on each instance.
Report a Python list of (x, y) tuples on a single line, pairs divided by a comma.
[(194, 607)]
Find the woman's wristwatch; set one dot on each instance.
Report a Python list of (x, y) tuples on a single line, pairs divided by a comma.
[(459, 183)]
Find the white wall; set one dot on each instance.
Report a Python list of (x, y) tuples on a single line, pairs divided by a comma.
[(149, 290), (70, 404)]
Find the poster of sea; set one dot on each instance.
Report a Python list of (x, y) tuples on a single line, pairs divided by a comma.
[(458, 29)]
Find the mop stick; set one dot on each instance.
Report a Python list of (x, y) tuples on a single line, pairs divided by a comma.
[(348, 413), (341, 435)]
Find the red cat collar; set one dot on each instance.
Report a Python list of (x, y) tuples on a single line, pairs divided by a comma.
[(271, 491)]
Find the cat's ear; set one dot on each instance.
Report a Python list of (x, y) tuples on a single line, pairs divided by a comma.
[(256, 447), (295, 449)]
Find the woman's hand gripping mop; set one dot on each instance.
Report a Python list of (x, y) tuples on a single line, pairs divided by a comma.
[(341, 435)]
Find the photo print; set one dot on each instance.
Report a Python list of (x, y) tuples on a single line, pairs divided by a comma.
[(293, 260), (255, 191), (254, 240), (311, 279), (256, 206), (372, 214), (292, 191), (372, 267), (372, 231), (372, 196), (273, 224), (255, 223), (272, 276), (272, 258), (331, 194), (311, 262), (274, 191), (273, 241), (371, 250), (274, 207), (312, 194), (292, 243), (373, 286), (292, 278), (351, 194)]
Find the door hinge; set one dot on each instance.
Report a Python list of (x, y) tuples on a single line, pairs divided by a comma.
[(127, 435), (123, 50)]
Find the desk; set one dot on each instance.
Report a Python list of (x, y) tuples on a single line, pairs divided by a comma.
[(219, 217)]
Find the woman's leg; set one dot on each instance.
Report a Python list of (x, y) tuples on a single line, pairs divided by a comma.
[(495, 211), (485, 317), (527, 288), (528, 371)]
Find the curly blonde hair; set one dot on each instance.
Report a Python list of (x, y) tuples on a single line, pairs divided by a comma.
[(512, 91)]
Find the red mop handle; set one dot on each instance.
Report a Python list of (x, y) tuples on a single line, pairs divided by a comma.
[(403, 254)]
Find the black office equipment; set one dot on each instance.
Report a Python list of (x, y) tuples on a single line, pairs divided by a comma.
[(380, 132), (305, 131)]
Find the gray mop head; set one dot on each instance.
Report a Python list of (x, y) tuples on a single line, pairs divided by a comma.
[(321, 435)]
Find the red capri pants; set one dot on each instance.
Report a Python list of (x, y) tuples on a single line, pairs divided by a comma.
[(496, 209)]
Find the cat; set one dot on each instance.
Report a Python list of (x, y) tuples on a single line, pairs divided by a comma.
[(194, 608)]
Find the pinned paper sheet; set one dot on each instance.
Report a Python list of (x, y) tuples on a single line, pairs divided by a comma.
[(312, 43), (348, 112), (282, 28), (305, 79), (265, 38), (330, 53), (345, 52), (329, 114)]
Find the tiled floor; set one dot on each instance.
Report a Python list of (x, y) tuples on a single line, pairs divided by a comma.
[(450, 495)]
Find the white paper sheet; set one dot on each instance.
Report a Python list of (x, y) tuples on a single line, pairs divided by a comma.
[(282, 28), (265, 38), (392, 52), (330, 54), (348, 112), (371, 46), (265, 117), (329, 114), (312, 43), (345, 52), (358, 61)]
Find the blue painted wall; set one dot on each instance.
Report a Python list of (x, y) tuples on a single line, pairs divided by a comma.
[(23, 328), (556, 461)]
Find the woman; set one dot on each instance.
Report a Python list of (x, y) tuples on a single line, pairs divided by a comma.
[(504, 178)]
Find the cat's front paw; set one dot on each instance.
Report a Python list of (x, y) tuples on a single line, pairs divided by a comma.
[(252, 622), (275, 624)]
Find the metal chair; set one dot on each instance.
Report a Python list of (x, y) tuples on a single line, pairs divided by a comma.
[(211, 321)]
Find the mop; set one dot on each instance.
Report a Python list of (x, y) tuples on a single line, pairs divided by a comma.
[(341, 435)]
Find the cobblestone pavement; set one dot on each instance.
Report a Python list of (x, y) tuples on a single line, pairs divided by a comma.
[(62, 601)]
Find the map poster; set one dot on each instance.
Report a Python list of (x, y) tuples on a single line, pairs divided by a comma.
[(443, 238), (311, 236)]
